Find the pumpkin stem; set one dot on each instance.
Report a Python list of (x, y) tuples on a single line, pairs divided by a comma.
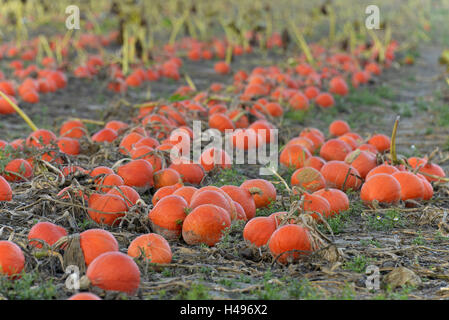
[(190, 82), (97, 122), (48, 253), (353, 156), (255, 190), (393, 154)]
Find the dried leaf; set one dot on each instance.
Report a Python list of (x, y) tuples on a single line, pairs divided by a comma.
[(401, 276)]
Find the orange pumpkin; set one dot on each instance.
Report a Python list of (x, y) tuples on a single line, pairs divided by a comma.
[(381, 142), (294, 156), (114, 271), (106, 208), (335, 149), (186, 192), (201, 197), (243, 197), (137, 173), (205, 224), (412, 187), (84, 296), (47, 232), (381, 187), (340, 175), (127, 193), (164, 191), (190, 172), (167, 216), (166, 177), (308, 178), (152, 246), (338, 128), (259, 230), (383, 168), (5, 190), (12, 260), (338, 200), (289, 242), (362, 161), (95, 242), (263, 191)]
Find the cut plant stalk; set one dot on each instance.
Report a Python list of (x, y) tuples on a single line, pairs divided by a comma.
[(228, 54), (177, 27), (332, 22), (125, 51), (190, 82), (378, 44), (20, 112), (98, 122), (393, 154), (61, 45), (282, 179), (301, 42), (44, 42)]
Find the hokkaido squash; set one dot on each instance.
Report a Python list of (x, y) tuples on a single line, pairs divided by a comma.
[(152, 247), (114, 271), (289, 242), (205, 224), (167, 216)]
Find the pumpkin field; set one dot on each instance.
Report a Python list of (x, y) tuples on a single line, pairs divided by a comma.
[(224, 150)]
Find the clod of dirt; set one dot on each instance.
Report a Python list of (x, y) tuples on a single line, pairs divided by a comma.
[(402, 276)]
